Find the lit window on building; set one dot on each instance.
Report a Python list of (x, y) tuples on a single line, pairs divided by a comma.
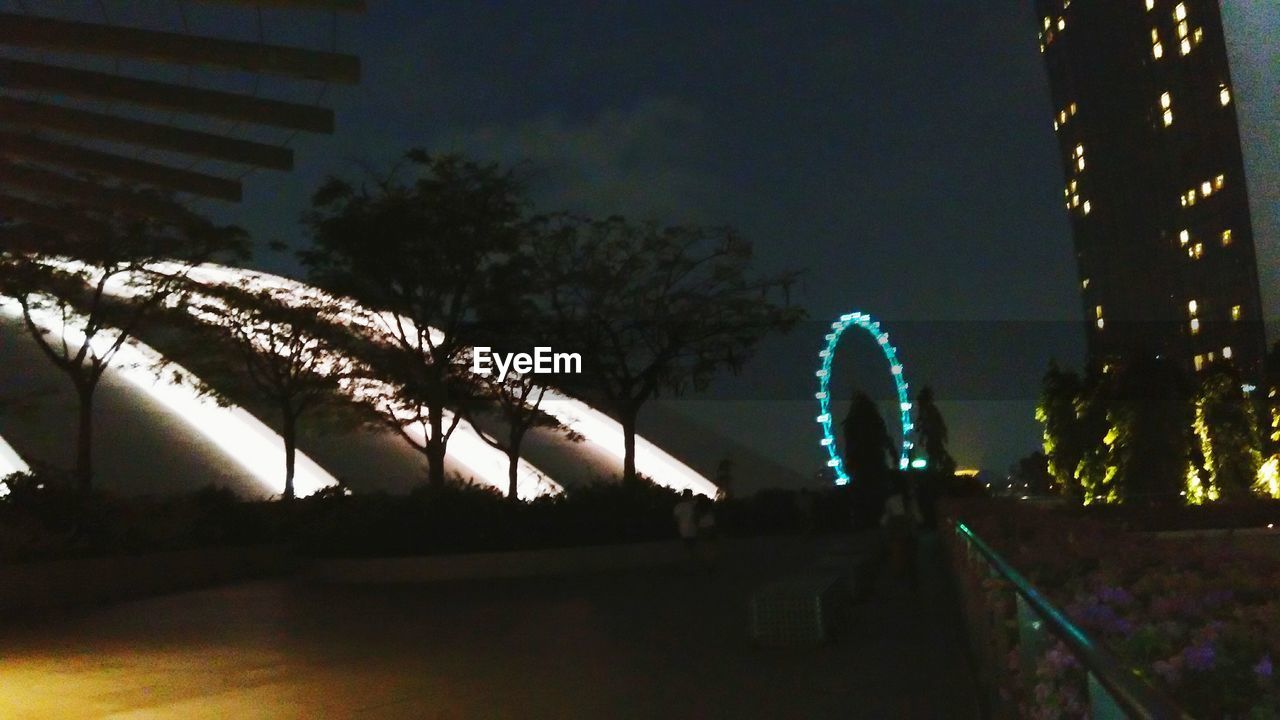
[(1166, 100), (1151, 5), (1047, 22), (1062, 23), (1101, 323), (1084, 284), (1190, 197), (1168, 118), (1182, 29), (1157, 50), (1074, 184), (1073, 109), (1226, 237), (1212, 356), (1180, 11), (1197, 251), (1087, 208), (1219, 181), (1075, 201), (1184, 237), (1195, 326), (1226, 352), (1097, 311), (1192, 307), (1199, 361), (1235, 312), (1198, 35), (1185, 46), (1206, 188), (1224, 95)]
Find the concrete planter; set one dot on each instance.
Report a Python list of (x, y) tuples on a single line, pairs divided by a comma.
[(91, 581)]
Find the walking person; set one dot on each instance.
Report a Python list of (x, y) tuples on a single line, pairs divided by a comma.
[(710, 549), (686, 516), (901, 522)]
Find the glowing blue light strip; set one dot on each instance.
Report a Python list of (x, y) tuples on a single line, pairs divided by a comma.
[(866, 323)]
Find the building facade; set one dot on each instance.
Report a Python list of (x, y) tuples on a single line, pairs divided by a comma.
[(1154, 180)]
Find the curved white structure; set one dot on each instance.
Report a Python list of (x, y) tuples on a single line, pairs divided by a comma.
[(11, 463), (466, 447), (236, 432), (594, 426)]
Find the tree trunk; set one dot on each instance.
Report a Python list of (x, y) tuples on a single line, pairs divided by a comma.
[(84, 438), (629, 445), (289, 432), (436, 449), (513, 467)]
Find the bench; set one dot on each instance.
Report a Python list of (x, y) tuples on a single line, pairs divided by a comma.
[(799, 610)]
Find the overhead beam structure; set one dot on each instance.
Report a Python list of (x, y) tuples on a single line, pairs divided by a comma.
[(63, 128), (28, 147), (36, 115), (50, 217), (40, 33), (44, 183), (165, 96)]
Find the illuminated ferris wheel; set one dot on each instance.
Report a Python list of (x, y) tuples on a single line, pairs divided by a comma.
[(865, 323)]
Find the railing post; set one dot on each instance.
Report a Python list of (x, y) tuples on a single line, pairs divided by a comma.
[(1101, 705), (1031, 638)]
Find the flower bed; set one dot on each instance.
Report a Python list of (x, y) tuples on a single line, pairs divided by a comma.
[(1197, 617)]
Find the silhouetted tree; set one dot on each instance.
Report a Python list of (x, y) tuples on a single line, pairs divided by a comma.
[(1226, 428), (655, 309), (287, 354), (1065, 436), (426, 244), (1030, 474), (516, 401), (62, 277), (1149, 440), (931, 434)]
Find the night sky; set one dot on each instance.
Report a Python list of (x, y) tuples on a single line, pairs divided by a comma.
[(902, 154)]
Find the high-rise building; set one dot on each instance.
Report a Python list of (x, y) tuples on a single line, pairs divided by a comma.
[(1154, 179)]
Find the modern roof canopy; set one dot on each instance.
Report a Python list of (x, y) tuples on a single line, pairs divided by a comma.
[(89, 100)]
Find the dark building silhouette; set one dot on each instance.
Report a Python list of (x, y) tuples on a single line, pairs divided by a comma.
[(1154, 179)]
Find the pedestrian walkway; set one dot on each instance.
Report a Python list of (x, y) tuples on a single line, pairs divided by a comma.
[(654, 643)]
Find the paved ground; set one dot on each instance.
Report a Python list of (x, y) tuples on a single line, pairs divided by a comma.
[(666, 643)]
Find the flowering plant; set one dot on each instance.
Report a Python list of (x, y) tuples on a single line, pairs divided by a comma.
[(1198, 618)]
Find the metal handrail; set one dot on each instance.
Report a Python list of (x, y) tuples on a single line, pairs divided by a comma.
[(1130, 694)]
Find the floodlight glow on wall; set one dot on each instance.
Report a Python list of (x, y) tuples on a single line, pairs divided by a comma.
[(826, 355), (244, 439)]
